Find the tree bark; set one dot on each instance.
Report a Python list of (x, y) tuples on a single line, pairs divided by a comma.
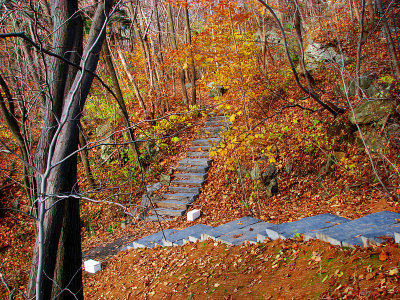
[(58, 233), (121, 102), (132, 80), (331, 108), (297, 25), (171, 29), (189, 41), (389, 40), (359, 48), (85, 159), (12, 125)]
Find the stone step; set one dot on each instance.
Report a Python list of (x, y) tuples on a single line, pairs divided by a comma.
[(183, 197), (397, 237), (149, 241), (201, 148), (261, 237), (206, 142), (173, 204), (159, 218), (218, 118), (216, 129), (184, 189), (168, 212), (217, 122), (306, 225), (191, 176), (187, 182), (181, 237), (197, 154), (192, 169), (248, 233), (195, 162), (380, 234), (229, 227), (348, 234)]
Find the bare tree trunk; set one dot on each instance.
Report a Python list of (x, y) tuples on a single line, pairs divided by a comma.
[(85, 159), (132, 80), (389, 40), (334, 110), (12, 125), (359, 48), (297, 25), (57, 253), (171, 29), (192, 66), (121, 102)]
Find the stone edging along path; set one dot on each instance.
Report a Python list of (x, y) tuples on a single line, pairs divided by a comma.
[(372, 229)]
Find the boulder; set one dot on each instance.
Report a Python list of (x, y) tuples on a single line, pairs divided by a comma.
[(103, 132), (270, 172), (255, 173), (216, 90), (367, 84), (371, 111), (273, 37), (153, 188), (372, 137), (165, 179), (316, 53), (270, 180)]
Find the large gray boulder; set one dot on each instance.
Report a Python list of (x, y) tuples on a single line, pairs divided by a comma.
[(216, 89), (371, 111), (270, 179), (316, 54), (103, 132), (367, 85)]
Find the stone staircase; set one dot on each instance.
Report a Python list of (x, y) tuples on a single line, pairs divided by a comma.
[(191, 172), (372, 229)]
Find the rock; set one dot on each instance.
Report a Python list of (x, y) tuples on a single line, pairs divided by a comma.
[(241, 174), (339, 155), (165, 179), (153, 188), (288, 167), (15, 205), (272, 187), (103, 132), (273, 37), (145, 200), (367, 84), (216, 90), (393, 133), (371, 111), (372, 137), (255, 173), (318, 53), (270, 180), (269, 173)]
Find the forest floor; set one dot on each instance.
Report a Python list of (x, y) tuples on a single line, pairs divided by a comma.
[(278, 269)]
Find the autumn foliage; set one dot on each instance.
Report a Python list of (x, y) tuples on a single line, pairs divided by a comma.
[(236, 46)]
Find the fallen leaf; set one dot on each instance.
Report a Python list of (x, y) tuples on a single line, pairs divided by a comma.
[(393, 272), (383, 256), (370, 276), (237, 236)]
